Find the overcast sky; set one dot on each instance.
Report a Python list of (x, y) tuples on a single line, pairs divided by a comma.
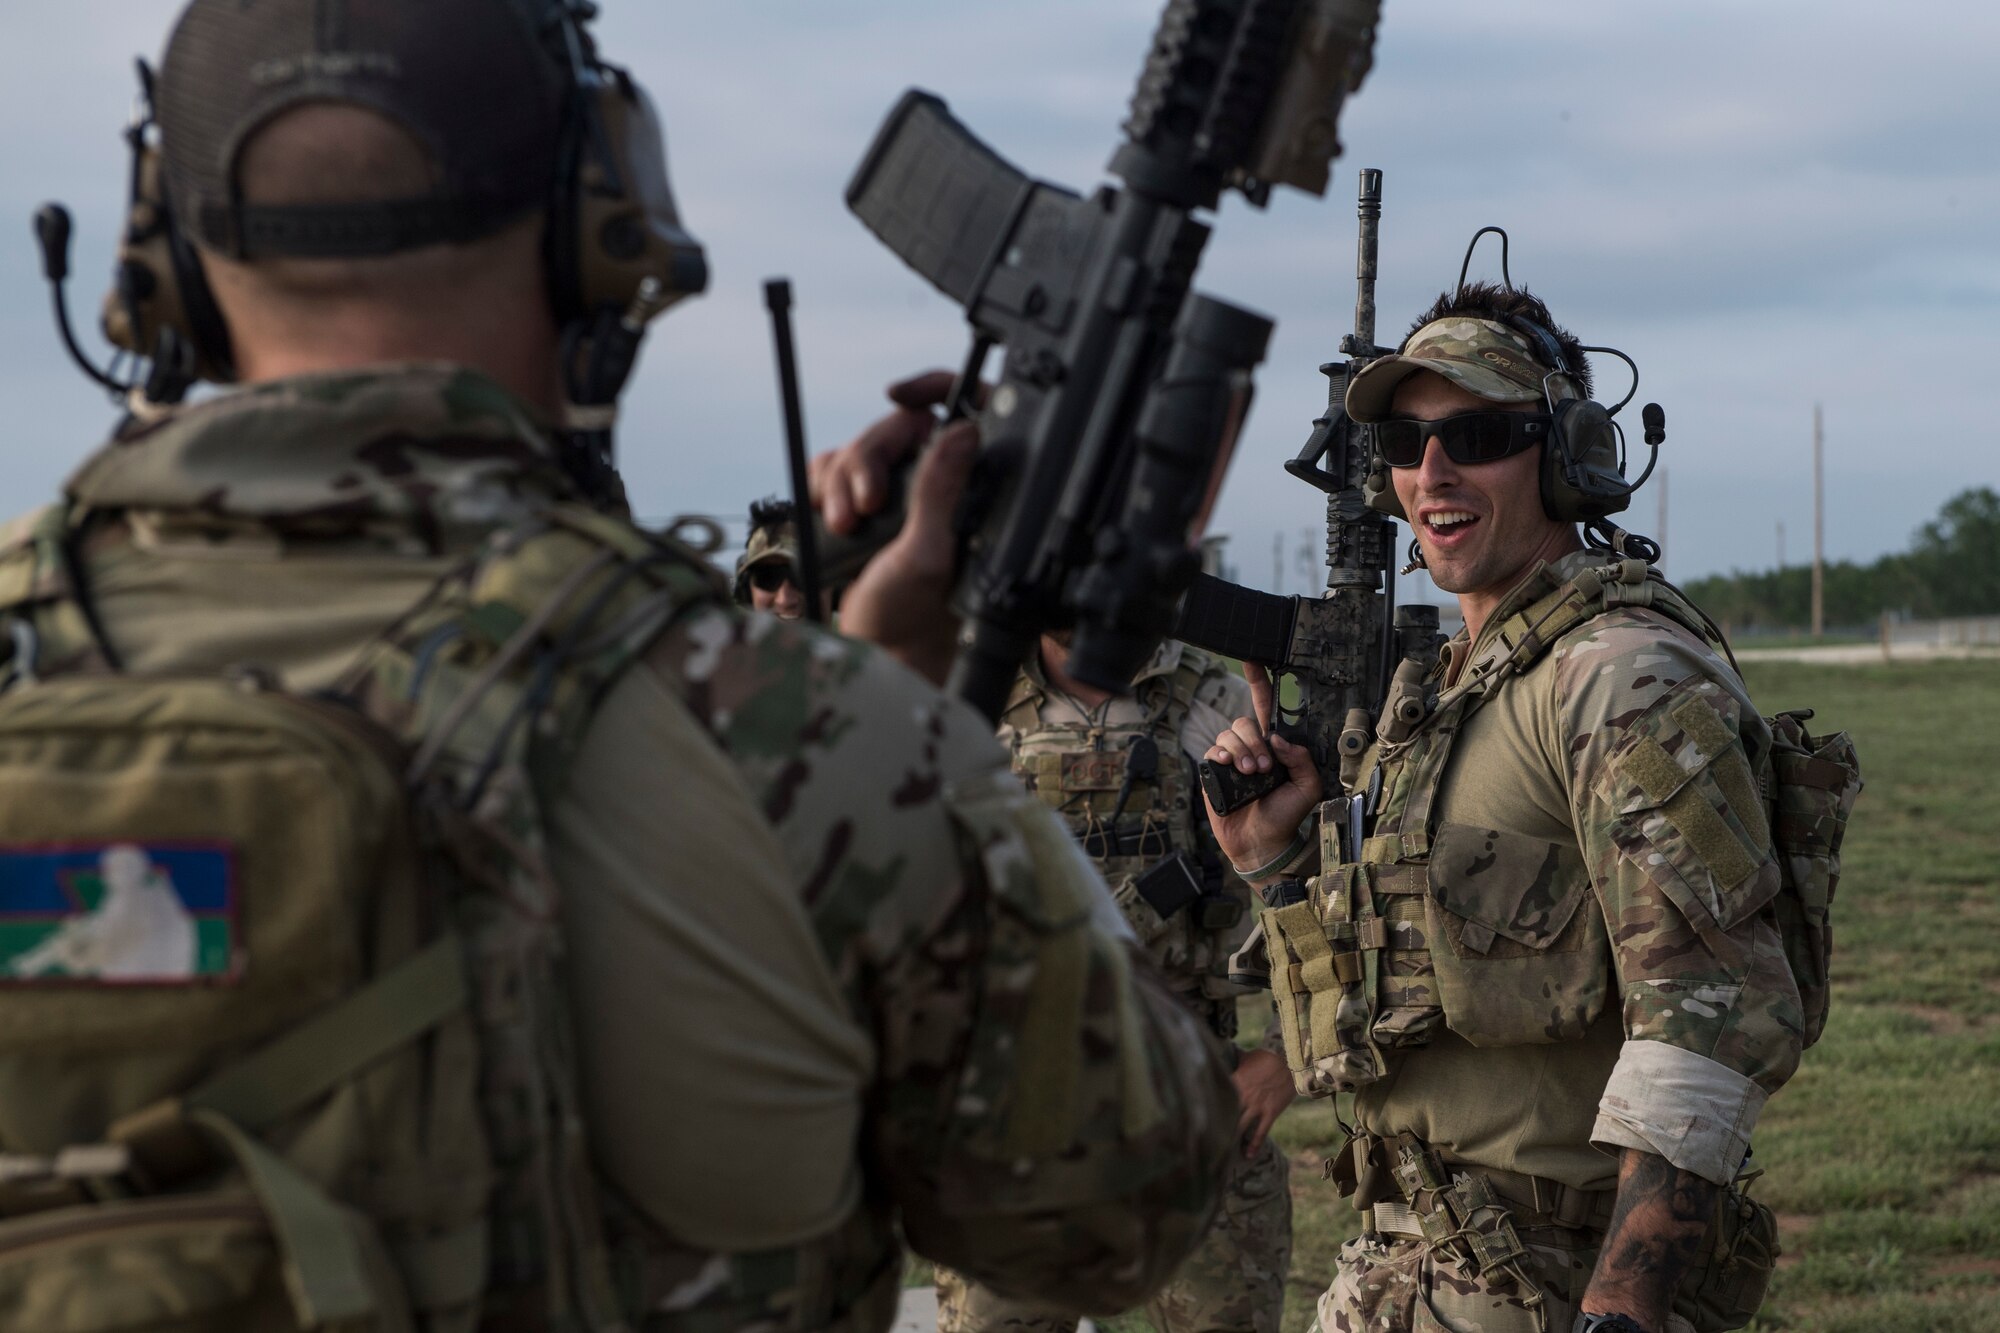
[(1766, 205)]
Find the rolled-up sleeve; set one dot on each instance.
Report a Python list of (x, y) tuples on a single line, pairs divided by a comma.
[(1670, 1102)]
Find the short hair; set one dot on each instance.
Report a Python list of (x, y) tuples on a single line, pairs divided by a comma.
[(771, 513), (1485, 300)]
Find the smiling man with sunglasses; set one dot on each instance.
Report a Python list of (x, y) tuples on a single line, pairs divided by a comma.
[(1545, 957), (1466, 466)]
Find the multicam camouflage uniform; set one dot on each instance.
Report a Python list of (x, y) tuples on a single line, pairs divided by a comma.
[(829, 965), (1557, 942), (1092, 766)]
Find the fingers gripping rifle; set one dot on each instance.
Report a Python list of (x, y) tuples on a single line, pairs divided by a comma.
[(1341, 648), (1115, 393)]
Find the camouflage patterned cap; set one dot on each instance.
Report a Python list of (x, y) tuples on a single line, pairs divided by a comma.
[(1481, 356), (767, 544)]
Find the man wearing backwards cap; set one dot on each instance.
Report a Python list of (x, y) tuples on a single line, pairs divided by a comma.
[(1582, 1001), (823, 957)]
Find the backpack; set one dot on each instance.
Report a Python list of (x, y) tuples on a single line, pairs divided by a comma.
[(283, 1035), (1815, 781)]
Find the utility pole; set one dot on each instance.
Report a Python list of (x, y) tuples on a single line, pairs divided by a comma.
[(1819, 527), (1662, 539), (1781, 544)]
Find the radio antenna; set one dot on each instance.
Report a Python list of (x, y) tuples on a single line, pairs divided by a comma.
[(778, 297)]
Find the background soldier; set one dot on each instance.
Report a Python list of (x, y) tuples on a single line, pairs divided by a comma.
[(767, 571), (798, 1002), (1567, 891), (1120, 772)]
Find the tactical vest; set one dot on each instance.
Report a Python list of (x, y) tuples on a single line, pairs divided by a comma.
[(1127, 793), (336, 1088), (1427, 924)]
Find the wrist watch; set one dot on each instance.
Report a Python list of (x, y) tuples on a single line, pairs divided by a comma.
[(1605, 1323)]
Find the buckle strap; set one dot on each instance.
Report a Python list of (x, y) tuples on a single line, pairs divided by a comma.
[(325, 1268), (328, 1049), (296, 1069)]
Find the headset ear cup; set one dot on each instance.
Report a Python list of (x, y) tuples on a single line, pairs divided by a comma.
[(159, 289), (1580, 475), (615, 223)]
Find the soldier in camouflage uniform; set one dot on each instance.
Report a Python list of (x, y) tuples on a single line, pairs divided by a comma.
[(827, 960), (1120, 772), (1551, 972), (767, 571)]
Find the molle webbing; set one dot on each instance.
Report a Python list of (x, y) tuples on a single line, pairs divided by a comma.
[(1528, 634)]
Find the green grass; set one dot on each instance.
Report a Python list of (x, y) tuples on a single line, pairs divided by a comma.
[(1883, 1154)]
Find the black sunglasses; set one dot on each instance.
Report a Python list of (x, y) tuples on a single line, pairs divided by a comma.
[(1469, 437), (770, 576)]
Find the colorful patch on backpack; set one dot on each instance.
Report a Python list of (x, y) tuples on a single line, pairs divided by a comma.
[(118, 913)]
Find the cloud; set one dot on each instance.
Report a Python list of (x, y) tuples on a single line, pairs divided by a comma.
[(1767, 206)]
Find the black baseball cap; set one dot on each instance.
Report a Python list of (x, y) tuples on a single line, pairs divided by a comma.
[(473, 81)]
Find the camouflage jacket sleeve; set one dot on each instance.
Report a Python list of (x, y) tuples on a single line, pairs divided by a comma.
[(1664, 749), (1045, 1116)]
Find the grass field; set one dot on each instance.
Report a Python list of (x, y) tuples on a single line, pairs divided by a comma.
[(1882, 1157)]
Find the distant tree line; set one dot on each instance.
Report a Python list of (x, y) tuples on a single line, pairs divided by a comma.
[(1951, 569)]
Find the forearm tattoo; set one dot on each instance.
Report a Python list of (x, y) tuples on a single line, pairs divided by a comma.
[(1656, 1233)]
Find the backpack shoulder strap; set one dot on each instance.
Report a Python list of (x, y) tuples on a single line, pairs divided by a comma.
[(538, 624), (1023, 708), (31, 568), (493, 680), (50, 618), (1169, 683), (1530, 633)]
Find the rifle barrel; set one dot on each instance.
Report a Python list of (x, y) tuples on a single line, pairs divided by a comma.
[(1369, 209)]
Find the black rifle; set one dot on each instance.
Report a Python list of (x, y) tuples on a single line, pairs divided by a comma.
[(1099, 441), (1341, 648)]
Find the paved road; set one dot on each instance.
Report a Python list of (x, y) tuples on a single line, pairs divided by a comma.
[(918, 1313), (1865, 654)]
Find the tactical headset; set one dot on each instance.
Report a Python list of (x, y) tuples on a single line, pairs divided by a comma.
[(616, 253), (1583, 459)]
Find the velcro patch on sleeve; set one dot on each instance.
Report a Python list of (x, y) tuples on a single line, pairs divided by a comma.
[(1704, 726), (1711, 839), (1652, 770), (118, 913)]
